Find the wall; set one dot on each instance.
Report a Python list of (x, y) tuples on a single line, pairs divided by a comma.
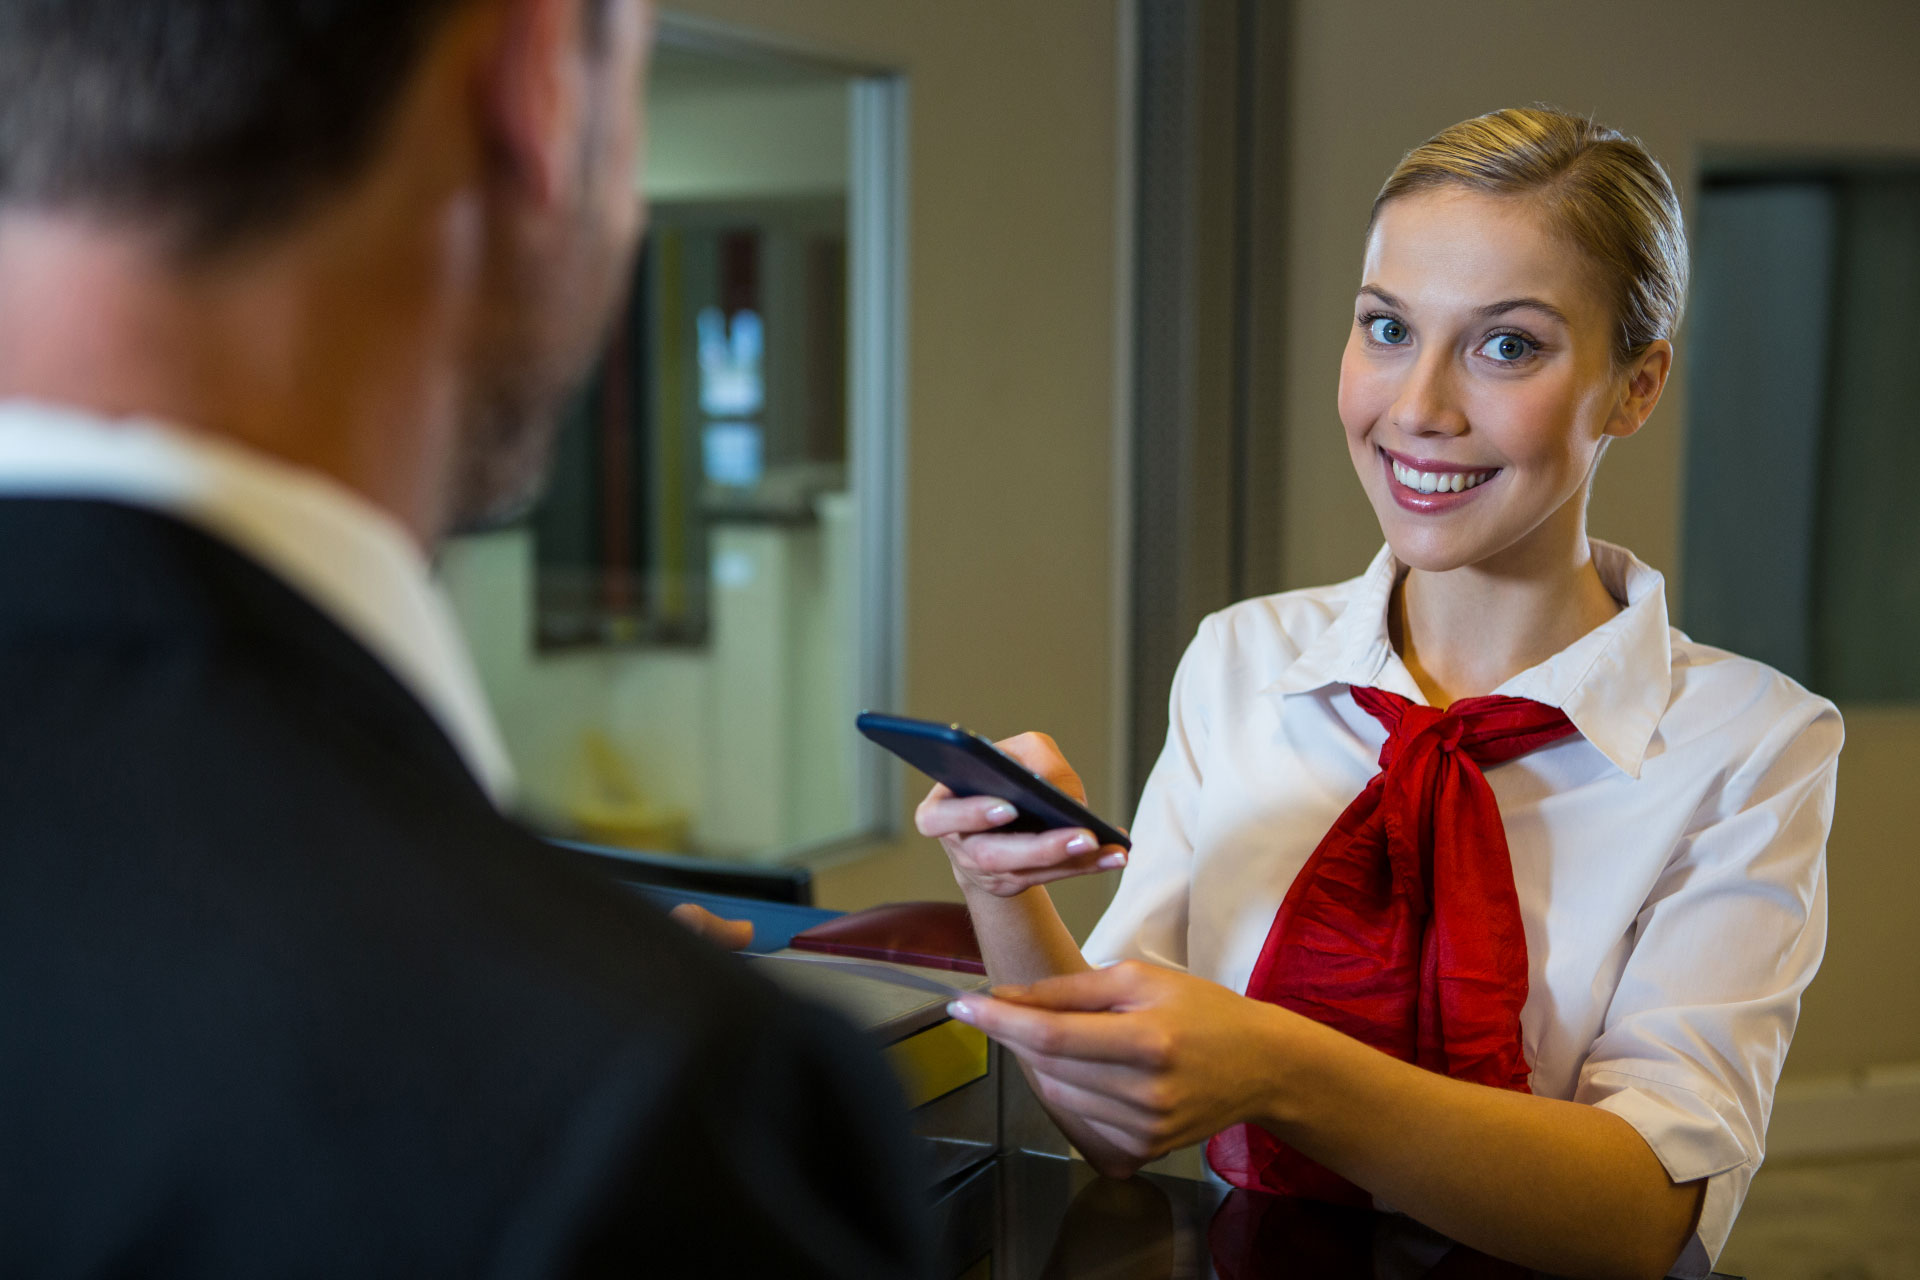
[(744, 738), (748, 140), (1011, 266), (545, 703), (1687, 78)]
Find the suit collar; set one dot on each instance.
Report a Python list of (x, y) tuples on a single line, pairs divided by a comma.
[(349, 559), (82, 572)]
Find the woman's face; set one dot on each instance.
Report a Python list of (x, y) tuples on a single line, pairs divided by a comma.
[(1479, 382)]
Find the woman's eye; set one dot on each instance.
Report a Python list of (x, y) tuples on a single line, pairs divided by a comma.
[(1506, 347), (1387, 331)]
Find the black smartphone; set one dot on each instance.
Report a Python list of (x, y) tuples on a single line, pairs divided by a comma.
[(971, 766)]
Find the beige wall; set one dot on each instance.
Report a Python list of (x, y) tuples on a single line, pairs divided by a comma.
[(754, 141), (1372, 80), (1012, 201)]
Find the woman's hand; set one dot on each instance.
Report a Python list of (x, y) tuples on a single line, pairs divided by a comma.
[(1149, 1059), (1136, 1061), (1006, 864)]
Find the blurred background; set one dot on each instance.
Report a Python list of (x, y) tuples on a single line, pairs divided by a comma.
[(979, 350)]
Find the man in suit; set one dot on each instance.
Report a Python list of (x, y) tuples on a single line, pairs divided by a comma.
[(287, 291)]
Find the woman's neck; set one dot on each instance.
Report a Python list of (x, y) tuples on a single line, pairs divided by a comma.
[(1465, 632)]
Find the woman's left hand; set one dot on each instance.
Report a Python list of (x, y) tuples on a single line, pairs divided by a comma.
[(1153, 1060)]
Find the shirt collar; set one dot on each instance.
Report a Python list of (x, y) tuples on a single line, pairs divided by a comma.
[(347, 557), (1355, 649), (1614, 683)]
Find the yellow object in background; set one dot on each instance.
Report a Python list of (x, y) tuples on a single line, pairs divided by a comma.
[(614, 811), (939, 1060)]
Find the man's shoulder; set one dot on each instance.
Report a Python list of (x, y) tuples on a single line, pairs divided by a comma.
[(237, 801), (188, 657), (309, 958)]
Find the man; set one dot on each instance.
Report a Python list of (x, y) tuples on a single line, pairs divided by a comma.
[(287, 290)]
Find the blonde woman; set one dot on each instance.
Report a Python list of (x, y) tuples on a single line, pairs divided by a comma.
[(1467, 887)]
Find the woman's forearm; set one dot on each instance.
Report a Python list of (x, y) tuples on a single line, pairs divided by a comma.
[(1022, 938), (1558, 1186), (1023, 941)]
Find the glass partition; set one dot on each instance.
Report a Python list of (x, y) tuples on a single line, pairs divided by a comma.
[(677, 639)]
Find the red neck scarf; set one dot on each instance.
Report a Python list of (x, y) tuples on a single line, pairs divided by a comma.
[(1403, 929)]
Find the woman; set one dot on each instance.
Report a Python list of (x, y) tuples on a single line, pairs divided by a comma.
[(1521, 886)]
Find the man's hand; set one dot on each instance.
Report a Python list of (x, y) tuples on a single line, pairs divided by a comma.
[(734, 935), (1150, 1059)]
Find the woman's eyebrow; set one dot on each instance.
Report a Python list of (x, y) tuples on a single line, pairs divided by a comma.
[(1493, 309), (1486, 312)]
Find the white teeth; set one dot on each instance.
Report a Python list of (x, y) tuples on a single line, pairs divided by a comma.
[(1440, 481)]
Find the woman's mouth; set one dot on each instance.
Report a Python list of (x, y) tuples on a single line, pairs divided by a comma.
[(1419, 485), (1438, 481)]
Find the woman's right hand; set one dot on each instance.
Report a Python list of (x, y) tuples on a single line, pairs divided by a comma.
[(1008, 863)]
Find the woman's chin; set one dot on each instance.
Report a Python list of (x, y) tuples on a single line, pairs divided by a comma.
[(1432, 549)]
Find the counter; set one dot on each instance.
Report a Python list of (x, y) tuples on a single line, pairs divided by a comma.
[(1011, 1202)]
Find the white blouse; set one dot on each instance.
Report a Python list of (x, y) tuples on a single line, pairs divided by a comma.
[(1670, 857)]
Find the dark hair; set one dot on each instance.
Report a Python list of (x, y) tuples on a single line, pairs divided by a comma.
[(216, 119)]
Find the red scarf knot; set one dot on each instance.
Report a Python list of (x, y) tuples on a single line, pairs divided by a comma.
[(1403, 928)]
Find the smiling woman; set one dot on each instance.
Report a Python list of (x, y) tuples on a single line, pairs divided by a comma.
[(1468, 885)]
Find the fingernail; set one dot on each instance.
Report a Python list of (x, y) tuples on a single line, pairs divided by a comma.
[(1111, 861), (1008, 992), (959, 1009), (1002, 812), (1082, 843)]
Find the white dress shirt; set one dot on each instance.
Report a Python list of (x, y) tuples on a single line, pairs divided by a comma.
[(1670, 857), (351, 560)]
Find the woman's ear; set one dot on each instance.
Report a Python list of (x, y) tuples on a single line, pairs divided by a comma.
[(1646, 378)]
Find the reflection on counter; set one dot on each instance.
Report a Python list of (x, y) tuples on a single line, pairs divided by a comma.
[(1024, 1216)]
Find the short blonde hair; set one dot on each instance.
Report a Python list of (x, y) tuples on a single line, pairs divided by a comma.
[(1601, 190)]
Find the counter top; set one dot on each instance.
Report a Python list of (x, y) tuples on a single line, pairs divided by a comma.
[(1022, 1216)]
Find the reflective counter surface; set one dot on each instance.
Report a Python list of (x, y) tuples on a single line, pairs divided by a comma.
[(1011, 1202), (1023, 1216), (1046, 1218)]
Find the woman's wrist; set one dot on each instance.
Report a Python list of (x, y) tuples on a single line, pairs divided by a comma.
[(1021, 937), (1303, 1057)]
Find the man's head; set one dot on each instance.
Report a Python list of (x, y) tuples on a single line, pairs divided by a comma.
[(221, 132)]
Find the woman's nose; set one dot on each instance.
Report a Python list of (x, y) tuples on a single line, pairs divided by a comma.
[(1426, 405)]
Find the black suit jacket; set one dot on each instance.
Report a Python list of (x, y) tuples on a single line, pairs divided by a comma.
[(282, 995)]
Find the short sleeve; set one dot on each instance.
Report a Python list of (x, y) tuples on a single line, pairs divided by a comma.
[(1732, 933), (1147, 919)]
